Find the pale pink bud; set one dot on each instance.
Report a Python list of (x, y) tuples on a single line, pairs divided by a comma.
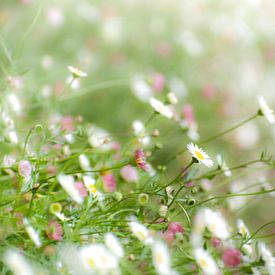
[(24, 169), (231, 257), (158, 82), (175, 227), (67, 124), (54, 231), (81, 188), (208, 92), (141, 160), (109, 182), (129, 173), (189, 114)]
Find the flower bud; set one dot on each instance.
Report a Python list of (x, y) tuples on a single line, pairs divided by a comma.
[(143, 198)]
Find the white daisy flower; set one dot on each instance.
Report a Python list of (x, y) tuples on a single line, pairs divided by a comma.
[(161, 108), (17, 263), (84, 162), (97, 258), (141, 232), (68, 184), (161, 258), (268, 258), (206, 262), (199, 155), (112, 243), (34, 236), (266, 111), (140, 132), (242, 229), (76, 72)]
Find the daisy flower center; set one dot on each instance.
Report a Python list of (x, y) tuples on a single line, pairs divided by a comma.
[(199, 155), (91, 262), (141, 235), (204, 263)]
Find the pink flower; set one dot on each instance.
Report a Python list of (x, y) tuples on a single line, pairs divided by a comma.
[(189, 115), (67, 124), (141, 160), (54, 231), (25, 169), (129, 173), (175, 227), (172, 230), (81, 188), (109, 182), (216, 242), (158, 82), (231, 257), (208, 92)]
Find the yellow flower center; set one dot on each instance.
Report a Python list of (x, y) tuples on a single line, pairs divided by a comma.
[(159, 258), (140, 235), (91, 262), (204, 263), (199, 155)]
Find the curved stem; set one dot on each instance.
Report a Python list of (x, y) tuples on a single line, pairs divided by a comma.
[(214, 137)]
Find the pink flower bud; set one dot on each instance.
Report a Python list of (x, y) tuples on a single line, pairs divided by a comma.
[(189, 114), (81, 188), (109, 182), (208, 92), (231, 257), (25, 169), (54, 231), (67, 124), (175, 227), (129, 173), (216, 242), (158, 82), (141, 160)]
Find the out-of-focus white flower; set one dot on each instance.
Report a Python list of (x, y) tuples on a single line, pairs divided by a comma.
[(266, 185), (268, 258), (69, 138), (47, 91), (112, 29), (55, 16), (47, 61), (8, 161), (223, 166), (161, 108), (140, 132), (200, 155), (206, 262), (266, 111), (15, 104), (141, 89), (141, 232), (193, 134), (172, 98), (190, 42), (76, 73), (84, 162), (17, 263), (99, 138), (161, 258), (237, 202), (25, 169), (68, 184), (247, 136), (98, 259), (112, 243), (12, 137), (214, 222), (178, 87), (34, 236)]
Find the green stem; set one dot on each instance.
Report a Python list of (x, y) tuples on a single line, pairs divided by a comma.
[(213, 137)]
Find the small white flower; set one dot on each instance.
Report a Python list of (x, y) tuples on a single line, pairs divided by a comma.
[(98, 258), (140, 132), (76, 72), (172, 98), (141, 232), (161, 108), (267, 112), (89, 183), (34, 236), (12, 137), (161, 258), (206, 262), (242, 229), (84, 162), (199, 155), (268, 258), (112, 243), (17, 263), (15, 104), (141, 89), (68, 184)]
